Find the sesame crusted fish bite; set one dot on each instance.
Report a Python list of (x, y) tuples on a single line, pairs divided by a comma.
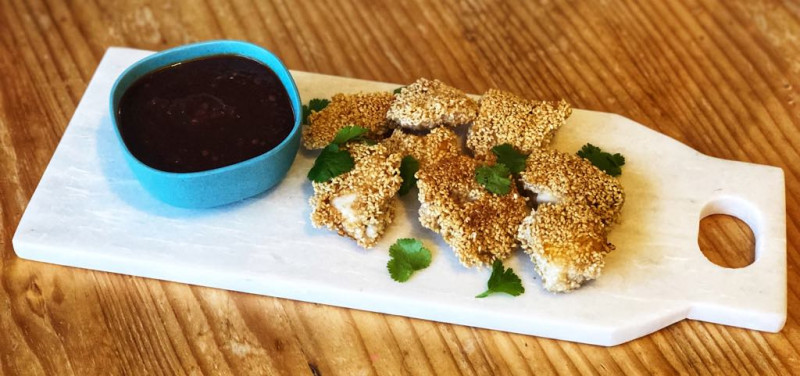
[(566, 235), (478, 225), (428, 149), (366, 110), (507, 118), (360, 203), (567, 244), (561, 177), (428, 104)]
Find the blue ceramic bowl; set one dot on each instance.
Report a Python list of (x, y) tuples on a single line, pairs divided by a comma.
[(222, 185)]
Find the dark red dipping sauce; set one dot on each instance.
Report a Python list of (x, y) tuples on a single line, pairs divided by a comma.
[(204, 114)]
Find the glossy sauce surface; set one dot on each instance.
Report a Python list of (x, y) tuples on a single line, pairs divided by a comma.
[(204, 114)]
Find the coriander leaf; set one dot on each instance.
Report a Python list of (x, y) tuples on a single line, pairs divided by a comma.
[(494, 178), (315, 105), (398, 90), (331, 163), (408, 167), (349, 133), (408, 256), (606, 162), (509, 156), (502, 281)]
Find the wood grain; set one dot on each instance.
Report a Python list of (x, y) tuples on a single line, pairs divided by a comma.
[(721, 76)]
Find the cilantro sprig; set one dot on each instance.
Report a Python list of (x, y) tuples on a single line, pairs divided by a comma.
[(509, 156), (330, 163), (607, 162), (333, 160), (315, 105), (408, 167), (495, 179), (408, 255), (350, 133), (398, 90), (502, 280)]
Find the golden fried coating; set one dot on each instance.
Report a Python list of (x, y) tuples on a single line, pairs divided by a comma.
[(428, 149), (567, 244), (568, 178), (478, 225), (566, 235), (506, 118), (366, 110), (427, 104), (360, 203)]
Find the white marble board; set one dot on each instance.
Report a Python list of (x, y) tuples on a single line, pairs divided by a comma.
[(89, 211)]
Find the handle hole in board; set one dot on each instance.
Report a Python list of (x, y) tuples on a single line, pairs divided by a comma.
[(727, 241)]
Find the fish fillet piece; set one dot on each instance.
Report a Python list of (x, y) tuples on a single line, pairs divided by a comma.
[(360, 203), (566, 235), (479, 226), (567, 244), (367, 110), (562, 177), (427, 104)]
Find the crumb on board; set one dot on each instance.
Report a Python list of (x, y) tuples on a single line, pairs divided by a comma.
[(360, 203), (366, 110), (567, 244), (428, 149), (427, 104), (504, 117), (478, 225)]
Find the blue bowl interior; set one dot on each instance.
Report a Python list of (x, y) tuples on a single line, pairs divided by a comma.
[(199, 50)]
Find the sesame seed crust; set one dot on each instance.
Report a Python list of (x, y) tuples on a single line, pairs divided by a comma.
[(567, 244), (428, 104), (504, 117), (360, 203), (570, 178), (427, 149), (566, 239), (478, 225), (366, 110)]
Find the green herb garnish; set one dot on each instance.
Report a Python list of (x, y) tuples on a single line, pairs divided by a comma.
[(509, 156), (502, 280), (494, 178), (350, 133), (315, 105), (398, 90), (331, 163), (408, 256), (610, 164), (408, 167)]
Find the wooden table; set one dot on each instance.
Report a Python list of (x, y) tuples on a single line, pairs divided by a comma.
[(720, 76)]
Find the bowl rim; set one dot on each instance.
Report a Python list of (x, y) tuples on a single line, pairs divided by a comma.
[(290, 88)]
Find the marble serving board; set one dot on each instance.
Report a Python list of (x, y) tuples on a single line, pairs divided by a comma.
[(89, 211)]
